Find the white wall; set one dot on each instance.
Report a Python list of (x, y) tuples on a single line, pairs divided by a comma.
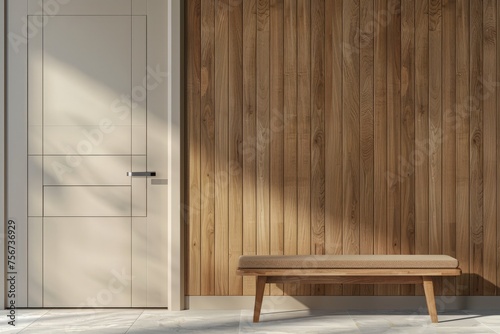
[(17, 101)]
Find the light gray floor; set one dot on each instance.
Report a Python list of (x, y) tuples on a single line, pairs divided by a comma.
[(236, 321)]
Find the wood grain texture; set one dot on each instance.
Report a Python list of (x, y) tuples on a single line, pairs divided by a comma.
[(394, 176), (346, 126), (476, 148), (263, 131), (462, 148), (221, 148), (380, 134), (317, 133), (276, 133), (235, 145), (449, 137), (351, 122), (435, 132), (421, 130), (366, 133), (290, 134), (489, 81), (193, 108), (429, 298), (406, 163), (333, 133), (259, 296), (249, 136), (207, 148), (304, 130)]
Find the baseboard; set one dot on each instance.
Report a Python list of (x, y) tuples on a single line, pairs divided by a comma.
[(413, 303)]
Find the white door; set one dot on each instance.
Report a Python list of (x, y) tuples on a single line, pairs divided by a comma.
[(97, 154)]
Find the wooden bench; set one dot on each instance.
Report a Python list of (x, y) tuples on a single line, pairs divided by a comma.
[(348, 269)]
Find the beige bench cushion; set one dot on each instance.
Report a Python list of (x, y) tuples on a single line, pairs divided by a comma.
[(346, 261)]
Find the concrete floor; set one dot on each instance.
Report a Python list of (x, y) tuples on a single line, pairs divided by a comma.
[(240, 321)]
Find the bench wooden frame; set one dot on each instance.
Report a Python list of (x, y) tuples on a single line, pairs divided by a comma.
[(348, 276)]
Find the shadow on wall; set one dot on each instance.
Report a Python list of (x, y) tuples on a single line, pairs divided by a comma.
[(313, 127), (87, 130)]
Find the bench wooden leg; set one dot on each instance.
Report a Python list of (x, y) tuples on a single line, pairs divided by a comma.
[(429, 297), (259, 296)]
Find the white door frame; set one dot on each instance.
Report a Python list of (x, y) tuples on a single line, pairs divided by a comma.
[(175, 217), (175, 225)]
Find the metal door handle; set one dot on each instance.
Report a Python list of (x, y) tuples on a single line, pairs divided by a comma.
[(141, 173)]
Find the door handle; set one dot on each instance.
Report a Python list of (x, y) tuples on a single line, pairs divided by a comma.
[(141, 173)]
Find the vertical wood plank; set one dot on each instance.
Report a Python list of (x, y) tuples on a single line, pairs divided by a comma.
[(435, 133), (406, 163), (193, 109), (393, 132), (263, 131), (463, 148), (290, 134), (221, 149), (366, 133), (351, 145), (490, 158), (235, 144), (277, 128), (249, 136), (421, 131), (380, 135), (449, 137), (333, 133), (304, 130), (318, 133), (207, 148), (476, 147)]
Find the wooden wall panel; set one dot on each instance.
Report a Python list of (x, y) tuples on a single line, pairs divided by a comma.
[(333, 133), (304, 131), (193, 108), (394, 132), (490, 158), (290, 133), (422, 130), (207, 148), (263, 131), (221, 148), (462, 145), (380, 134), (476, 148), (366, 133), (347, 126), (276, 133), (350, 124), (407, 133), (435, 131), (249, 136), (449, 134), (235, 144), (317, 133)]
